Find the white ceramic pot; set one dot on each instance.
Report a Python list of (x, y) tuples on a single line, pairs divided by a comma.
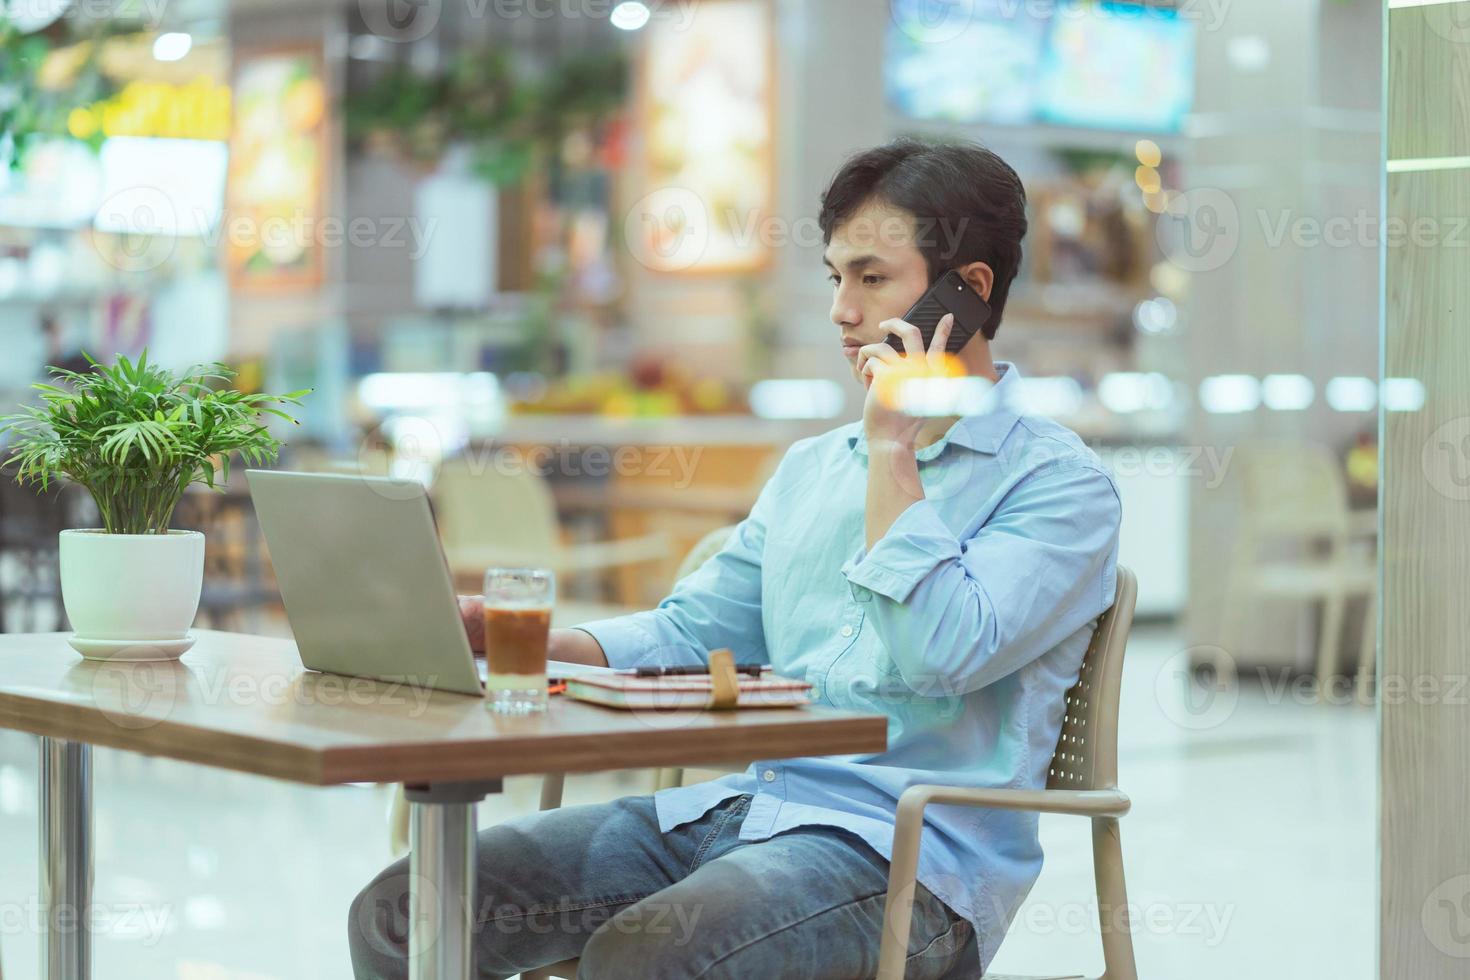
[(131, 596)]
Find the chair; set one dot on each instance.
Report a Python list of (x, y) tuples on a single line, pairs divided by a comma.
[(493, 517), (1082, 780), (1294, 493)]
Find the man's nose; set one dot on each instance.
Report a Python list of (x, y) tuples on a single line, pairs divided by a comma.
[(845, 313)]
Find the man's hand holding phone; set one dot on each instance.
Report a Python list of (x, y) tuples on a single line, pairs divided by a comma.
[(883, 369)]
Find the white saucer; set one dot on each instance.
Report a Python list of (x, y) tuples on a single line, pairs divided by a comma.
[(94, 649)]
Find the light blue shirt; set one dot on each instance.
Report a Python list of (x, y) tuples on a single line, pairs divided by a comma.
[(965, 625)]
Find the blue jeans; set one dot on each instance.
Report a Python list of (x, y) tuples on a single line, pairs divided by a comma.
[(603, 883)]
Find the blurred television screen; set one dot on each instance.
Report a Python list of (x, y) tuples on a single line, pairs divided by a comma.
[(1117, 66), (1094, 65), (964, 61)]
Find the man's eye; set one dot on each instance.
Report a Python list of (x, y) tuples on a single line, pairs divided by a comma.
[(834, 279), (872, 280)]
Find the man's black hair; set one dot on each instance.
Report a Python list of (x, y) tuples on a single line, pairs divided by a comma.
[(968, 205)]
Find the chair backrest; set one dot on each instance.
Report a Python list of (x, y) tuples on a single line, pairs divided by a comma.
[(1291, 489), (1087, 751), (705, 549), (486, 507)]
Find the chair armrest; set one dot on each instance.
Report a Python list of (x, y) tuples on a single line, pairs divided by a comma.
[(1082, 803), (908, 834)]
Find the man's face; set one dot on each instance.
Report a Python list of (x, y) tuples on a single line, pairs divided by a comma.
[(877, 273)]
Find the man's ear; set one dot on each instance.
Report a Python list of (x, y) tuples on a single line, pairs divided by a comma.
[(980, 278)]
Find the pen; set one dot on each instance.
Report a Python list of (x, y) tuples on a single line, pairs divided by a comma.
[(751, 670)]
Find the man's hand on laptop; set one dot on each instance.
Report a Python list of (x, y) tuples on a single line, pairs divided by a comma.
[(568, 645), (472, 614)]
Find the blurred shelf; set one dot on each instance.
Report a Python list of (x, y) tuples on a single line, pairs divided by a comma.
[(694, 430)]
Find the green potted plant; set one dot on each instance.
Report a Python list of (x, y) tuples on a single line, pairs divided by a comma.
[(136, 436)]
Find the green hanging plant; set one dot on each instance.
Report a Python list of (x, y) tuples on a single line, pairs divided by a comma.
[(510, 124)]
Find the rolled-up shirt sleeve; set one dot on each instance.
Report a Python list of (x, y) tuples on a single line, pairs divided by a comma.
[(965, 612), (718, 605)]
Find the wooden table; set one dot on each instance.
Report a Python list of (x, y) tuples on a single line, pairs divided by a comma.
[(245, 703)]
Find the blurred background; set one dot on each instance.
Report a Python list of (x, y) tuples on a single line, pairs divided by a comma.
[(562, 255)]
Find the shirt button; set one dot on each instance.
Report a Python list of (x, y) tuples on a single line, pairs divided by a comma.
[(847, 631), (769, 775)]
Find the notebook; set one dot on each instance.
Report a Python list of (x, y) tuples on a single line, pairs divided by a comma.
[(683, 691)]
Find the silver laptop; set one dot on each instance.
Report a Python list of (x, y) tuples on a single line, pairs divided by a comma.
[(363, 578)]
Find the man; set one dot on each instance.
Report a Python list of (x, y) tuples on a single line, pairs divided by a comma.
[(944, 571)]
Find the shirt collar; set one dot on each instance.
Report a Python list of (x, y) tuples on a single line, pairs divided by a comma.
[(983, 432)]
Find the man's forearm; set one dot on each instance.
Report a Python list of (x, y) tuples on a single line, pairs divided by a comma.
[(893, 487), (575, 646)]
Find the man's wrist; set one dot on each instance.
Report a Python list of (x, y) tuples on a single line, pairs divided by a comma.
[(890, 446)]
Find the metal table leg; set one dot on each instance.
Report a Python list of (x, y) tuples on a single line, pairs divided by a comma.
[(441, 864), (66, 859)]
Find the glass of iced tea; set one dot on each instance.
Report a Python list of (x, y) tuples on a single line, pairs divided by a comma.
[(518, 605)]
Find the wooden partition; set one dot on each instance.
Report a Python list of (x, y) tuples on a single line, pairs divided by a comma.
[(1425, 502)]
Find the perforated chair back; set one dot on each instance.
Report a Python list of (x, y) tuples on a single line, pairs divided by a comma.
[(1087, 751)]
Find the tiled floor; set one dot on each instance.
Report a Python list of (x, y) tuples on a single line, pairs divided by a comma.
[(1250, 851)]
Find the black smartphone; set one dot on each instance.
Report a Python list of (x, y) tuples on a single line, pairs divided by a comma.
[(949, 294)]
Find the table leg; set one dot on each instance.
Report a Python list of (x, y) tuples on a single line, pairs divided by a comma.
[(66, 859), (441, 866)]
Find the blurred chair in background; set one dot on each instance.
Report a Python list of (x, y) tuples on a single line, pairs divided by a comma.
[(30, 522), (490, 517), (238, 585), (1294, 499)]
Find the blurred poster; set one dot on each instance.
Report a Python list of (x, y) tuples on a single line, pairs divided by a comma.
[(277, 165), (707, 116)]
